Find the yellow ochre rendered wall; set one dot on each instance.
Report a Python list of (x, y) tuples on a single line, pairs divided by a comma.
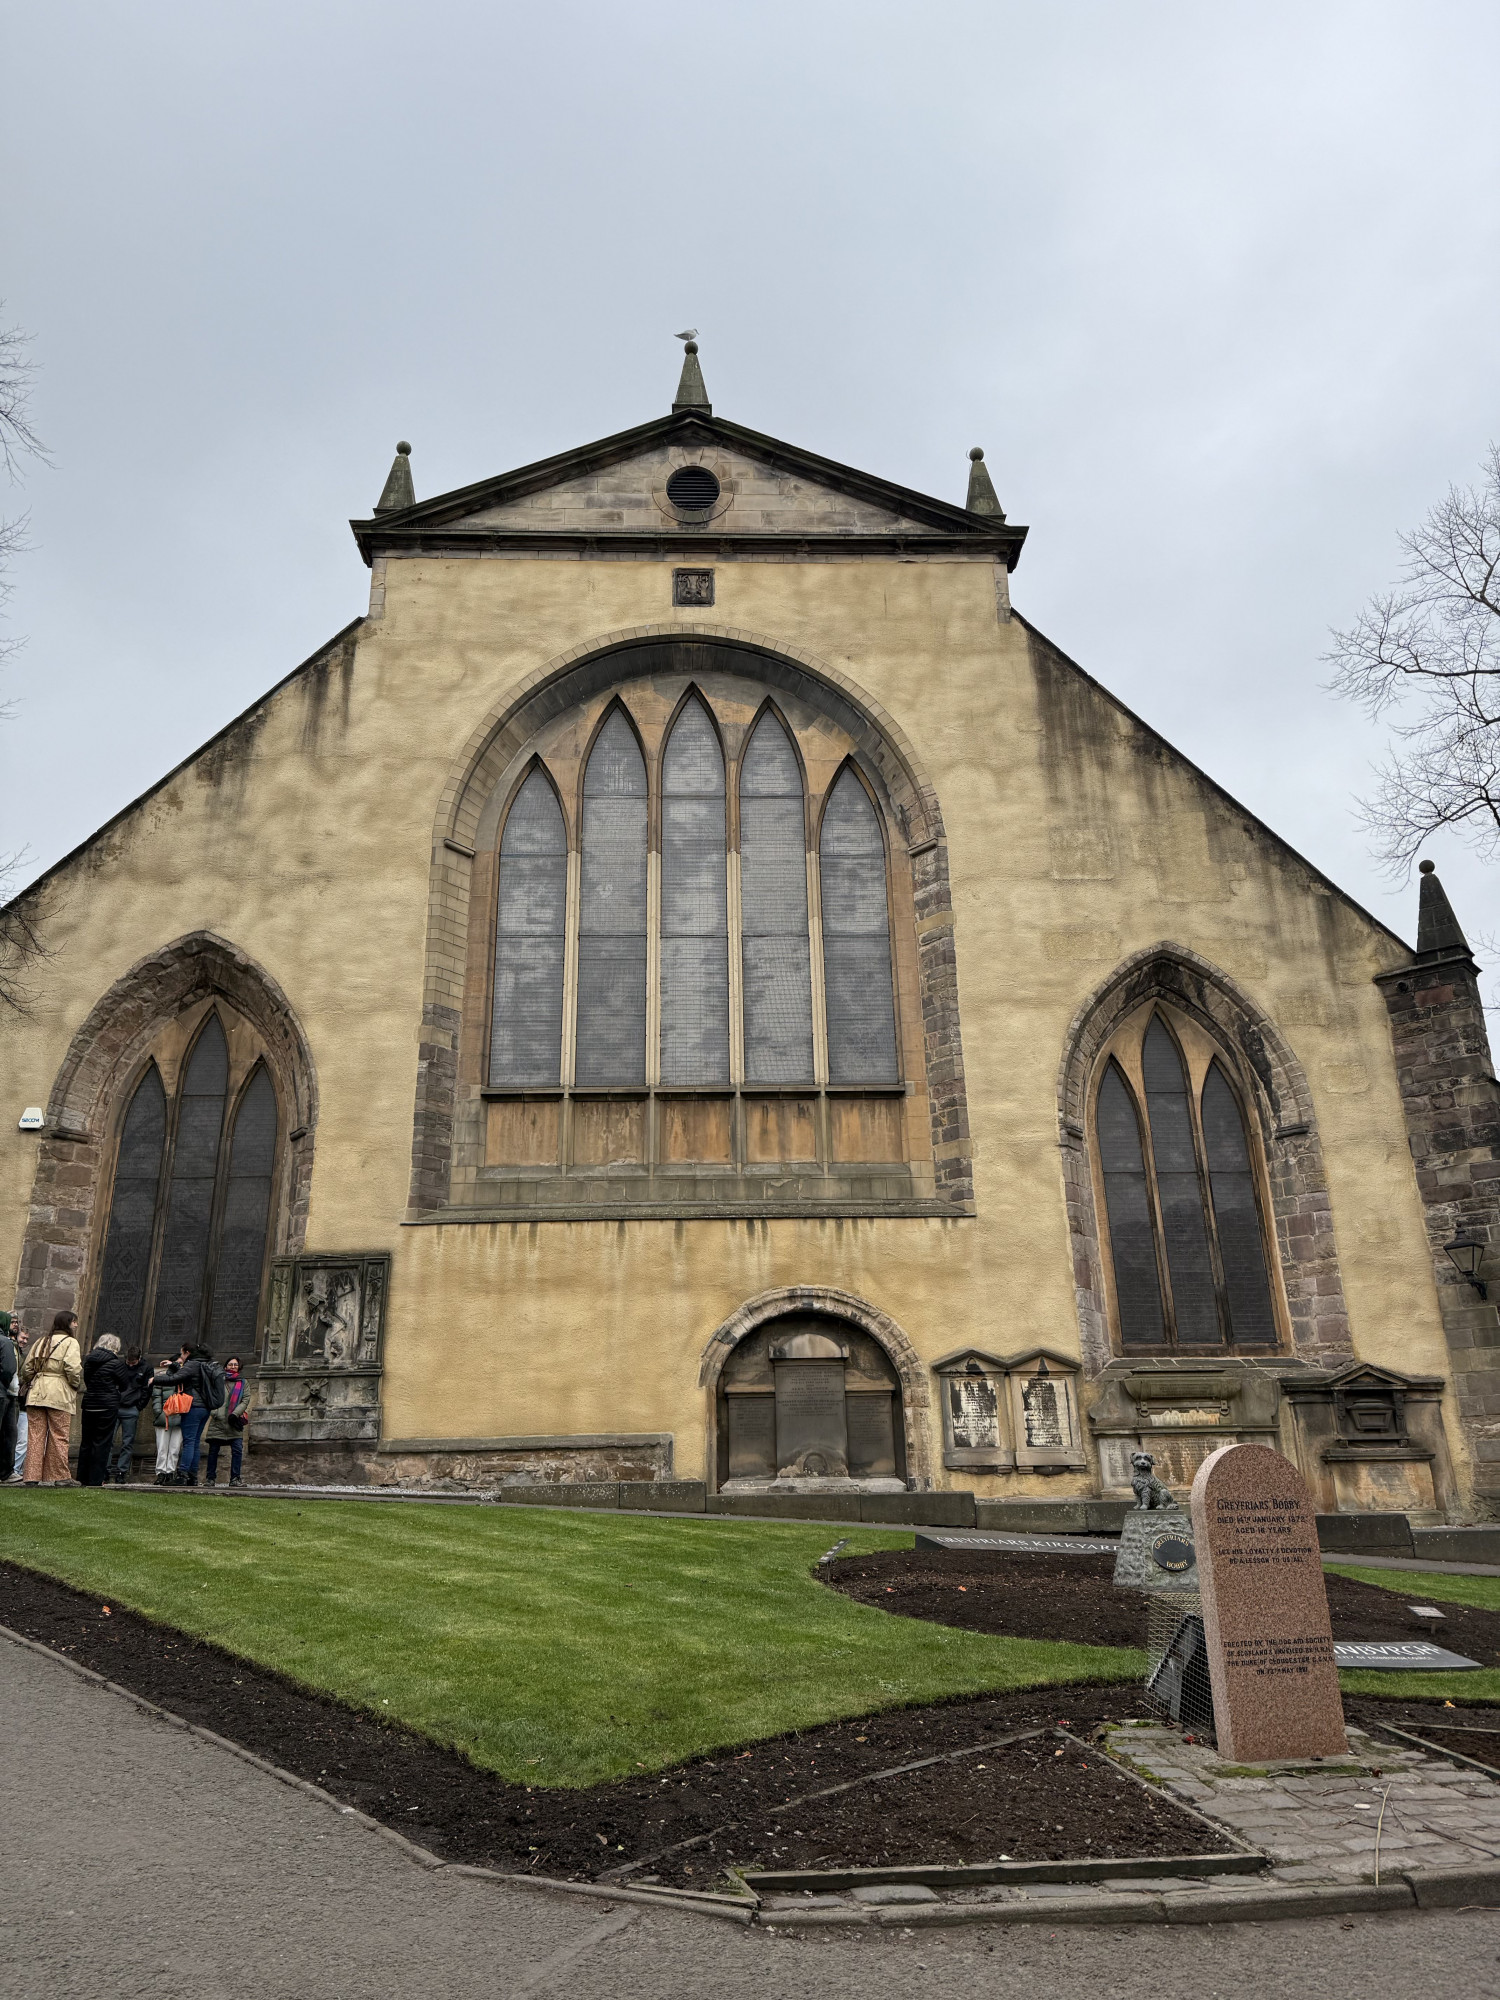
[(1074, 840)]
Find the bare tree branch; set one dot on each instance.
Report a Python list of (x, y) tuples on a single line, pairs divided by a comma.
[(1428, 654), (21, 941), (17, 374)]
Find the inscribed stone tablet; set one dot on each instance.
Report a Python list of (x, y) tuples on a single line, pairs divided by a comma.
[(1265, 1609), (811, 1426)]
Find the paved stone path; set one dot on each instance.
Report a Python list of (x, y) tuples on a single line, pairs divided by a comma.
[(1321, 1827), (140, 1859)]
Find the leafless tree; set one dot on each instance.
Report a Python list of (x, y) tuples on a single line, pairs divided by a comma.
[(1428, 653), (21, 942)]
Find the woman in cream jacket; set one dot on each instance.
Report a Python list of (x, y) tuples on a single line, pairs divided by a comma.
[(51, 1377)]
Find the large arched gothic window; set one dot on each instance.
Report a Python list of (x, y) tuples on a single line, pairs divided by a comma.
[(1183, 1206), (190, 1215), (698, 961)]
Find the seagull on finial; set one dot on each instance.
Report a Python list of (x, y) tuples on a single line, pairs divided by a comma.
[(691, 334)]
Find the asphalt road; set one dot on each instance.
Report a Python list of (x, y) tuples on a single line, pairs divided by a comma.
[(139, 1860)]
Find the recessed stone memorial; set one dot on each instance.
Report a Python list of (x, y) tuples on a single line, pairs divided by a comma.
[(1265, 1609)]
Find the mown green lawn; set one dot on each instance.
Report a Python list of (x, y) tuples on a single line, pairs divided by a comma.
[(551, 1646), (1426, 1587)]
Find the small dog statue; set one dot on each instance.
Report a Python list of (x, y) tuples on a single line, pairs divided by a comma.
[(1148, 1489)]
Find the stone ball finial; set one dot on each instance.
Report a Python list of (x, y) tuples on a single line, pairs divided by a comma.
[(404, 449), (977, 453), (1427, 867), (691, 347)]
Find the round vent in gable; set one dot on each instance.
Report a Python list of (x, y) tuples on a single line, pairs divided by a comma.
[(692, 489)]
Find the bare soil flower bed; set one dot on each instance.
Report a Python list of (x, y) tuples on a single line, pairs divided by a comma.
[(1031, 1804), (1041, 1799), (1073, 1598)]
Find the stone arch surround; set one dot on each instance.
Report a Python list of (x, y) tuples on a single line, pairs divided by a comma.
[(826, 1300), (74, 1158), (465, 813), (1282, 1102)]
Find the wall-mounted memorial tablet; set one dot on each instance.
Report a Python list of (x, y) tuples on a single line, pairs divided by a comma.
[(1265, 1609)]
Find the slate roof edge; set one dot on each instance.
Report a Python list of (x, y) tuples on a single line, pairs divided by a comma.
[(1277, 839), (499, 488)]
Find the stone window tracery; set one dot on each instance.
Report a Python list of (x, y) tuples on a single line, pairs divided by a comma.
[(657, 936), (189, 1223), (1181, 1189)]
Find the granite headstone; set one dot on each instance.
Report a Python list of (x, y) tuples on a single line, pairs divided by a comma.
[(1265, 1609)]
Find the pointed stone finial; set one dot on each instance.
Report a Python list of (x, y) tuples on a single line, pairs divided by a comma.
[(398, 490), (982, 496), (691, 394), (1438, 931)]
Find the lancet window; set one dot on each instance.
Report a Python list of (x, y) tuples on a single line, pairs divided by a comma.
[(190, 1214), (1183, 1195)]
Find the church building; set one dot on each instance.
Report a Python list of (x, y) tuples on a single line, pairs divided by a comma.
[(692, 992)]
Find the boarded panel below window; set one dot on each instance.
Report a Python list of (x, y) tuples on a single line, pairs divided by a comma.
[(609, 1132), (695, 1128), (867, 1128), (780, 1128), (522, 1135)]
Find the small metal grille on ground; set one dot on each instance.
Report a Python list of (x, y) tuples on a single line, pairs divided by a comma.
[(1177, 1681)]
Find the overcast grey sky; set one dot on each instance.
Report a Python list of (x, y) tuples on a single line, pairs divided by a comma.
[(1216, 287)]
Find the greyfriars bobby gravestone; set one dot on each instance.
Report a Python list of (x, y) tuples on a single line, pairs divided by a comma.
[(1265, 1609)]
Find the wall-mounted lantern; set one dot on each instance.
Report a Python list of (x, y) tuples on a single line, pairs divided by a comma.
[(1465, 1252)]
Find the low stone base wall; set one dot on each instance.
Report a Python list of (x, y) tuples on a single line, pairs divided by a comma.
[(459, 1465)]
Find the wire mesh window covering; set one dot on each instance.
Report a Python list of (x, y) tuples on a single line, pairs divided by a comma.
[(126, 1272), (611, 1035), (1186, 1236), (245, 1219), (1127, 1201), (530, 931), (694, 905), (190, 1196), (191, 1206), (1242, 1249), (1184, 1217), (856, 939), (775, 951)]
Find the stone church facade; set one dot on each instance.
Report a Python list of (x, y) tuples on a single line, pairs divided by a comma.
[(693, 989)]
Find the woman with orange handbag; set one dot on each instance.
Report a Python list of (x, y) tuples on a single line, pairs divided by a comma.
[(167, 1405)]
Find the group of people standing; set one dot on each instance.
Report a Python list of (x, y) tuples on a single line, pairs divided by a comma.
[(46, 1382)]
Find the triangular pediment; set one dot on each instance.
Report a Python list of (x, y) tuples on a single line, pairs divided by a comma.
[(617, 489)]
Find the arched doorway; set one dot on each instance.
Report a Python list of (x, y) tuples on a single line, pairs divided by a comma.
[(807, 1401)]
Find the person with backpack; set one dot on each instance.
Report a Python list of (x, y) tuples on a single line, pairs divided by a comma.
[(106, 1380), (51, 1377), (227, 1424), (196, 1374), (132, 1402), (167, 1406)]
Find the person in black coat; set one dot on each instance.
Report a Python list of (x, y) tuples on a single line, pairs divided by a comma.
[(10, 1396), (132, 1402), (106, 1382), (195, 1371)]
